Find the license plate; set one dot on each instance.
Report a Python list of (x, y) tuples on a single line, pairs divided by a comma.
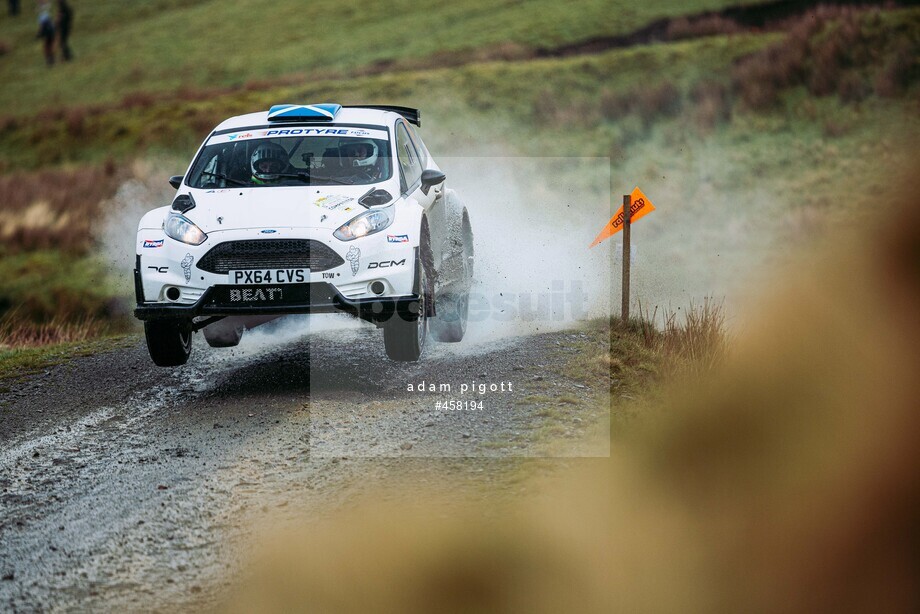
[(270, 276), (274, 295)]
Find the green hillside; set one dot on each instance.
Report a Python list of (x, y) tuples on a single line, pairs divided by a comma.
[(167, 45)]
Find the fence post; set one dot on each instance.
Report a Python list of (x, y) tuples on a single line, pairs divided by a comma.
[(627, 205)]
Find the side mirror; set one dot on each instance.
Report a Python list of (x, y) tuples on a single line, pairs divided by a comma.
[(175, 181), (431, 178)]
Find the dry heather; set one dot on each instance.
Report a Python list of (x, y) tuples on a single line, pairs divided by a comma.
[(692, 341), (830, 50), (786, 480), (825, 49), (50, 292), (15, 333), (53, 208), (844, 51)]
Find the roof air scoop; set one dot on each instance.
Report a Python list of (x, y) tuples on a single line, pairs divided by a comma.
[(303, 112)]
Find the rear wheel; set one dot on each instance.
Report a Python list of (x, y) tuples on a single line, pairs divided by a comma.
[(168, 341), (404, 336), (453, 306), (450, 324)]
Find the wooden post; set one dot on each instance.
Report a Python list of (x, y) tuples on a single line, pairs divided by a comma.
[(627, 205)]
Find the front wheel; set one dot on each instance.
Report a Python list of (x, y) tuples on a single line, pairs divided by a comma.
[(168, 341), (404, 337)]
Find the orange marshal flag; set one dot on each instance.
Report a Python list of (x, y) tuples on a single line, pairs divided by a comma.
[(641, 206)]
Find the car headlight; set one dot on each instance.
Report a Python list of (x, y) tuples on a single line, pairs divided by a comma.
[(365, 224), (181, 228)]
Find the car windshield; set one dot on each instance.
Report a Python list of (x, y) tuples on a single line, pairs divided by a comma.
[(294, 156)]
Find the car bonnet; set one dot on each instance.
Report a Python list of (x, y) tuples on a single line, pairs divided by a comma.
[(279, 207)]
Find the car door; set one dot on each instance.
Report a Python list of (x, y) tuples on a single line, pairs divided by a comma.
[(413, 159)]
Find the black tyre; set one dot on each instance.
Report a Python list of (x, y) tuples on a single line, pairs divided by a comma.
[(404, 336), (168, 341), (450, 324), (453, 306)]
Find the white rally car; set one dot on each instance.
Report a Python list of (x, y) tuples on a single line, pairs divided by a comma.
[(306, 209)]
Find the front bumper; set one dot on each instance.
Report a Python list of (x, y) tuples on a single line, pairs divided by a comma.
[(315, 297)]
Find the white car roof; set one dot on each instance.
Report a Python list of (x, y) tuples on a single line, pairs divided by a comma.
[(345, 115)]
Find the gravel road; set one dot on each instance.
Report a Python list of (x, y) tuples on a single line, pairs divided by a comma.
[(125, 487)]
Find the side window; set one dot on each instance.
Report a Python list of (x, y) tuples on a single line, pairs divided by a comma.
[(408, 158), (419, 146)]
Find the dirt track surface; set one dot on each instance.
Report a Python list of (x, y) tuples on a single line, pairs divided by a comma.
[(126, 487)]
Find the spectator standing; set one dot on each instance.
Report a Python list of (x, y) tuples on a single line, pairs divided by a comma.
[(46, 33), (64, 21)]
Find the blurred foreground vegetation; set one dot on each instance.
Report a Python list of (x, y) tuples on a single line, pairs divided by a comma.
[(783, 481)]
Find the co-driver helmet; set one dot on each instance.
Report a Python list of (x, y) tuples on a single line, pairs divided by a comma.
[(350, 147)]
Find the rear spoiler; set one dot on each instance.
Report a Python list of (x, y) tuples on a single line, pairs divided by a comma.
[(411, 115)]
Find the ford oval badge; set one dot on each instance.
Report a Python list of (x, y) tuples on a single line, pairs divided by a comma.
[(269, 232)]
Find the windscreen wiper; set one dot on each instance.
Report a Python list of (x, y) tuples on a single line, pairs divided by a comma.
[(307, 177), (332, 179), (225, 178), (301, 176)]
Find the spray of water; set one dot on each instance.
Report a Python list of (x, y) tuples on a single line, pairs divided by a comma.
[(715, 227), (146, 189), (533, 219)]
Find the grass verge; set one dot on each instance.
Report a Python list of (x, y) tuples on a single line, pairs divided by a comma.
[(627, 367), (20, 362), (52, 296)]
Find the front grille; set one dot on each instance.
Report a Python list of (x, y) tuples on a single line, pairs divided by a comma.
[(270, 254)]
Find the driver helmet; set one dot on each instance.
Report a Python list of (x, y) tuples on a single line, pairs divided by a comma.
[(362, 152), (268, 160)]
